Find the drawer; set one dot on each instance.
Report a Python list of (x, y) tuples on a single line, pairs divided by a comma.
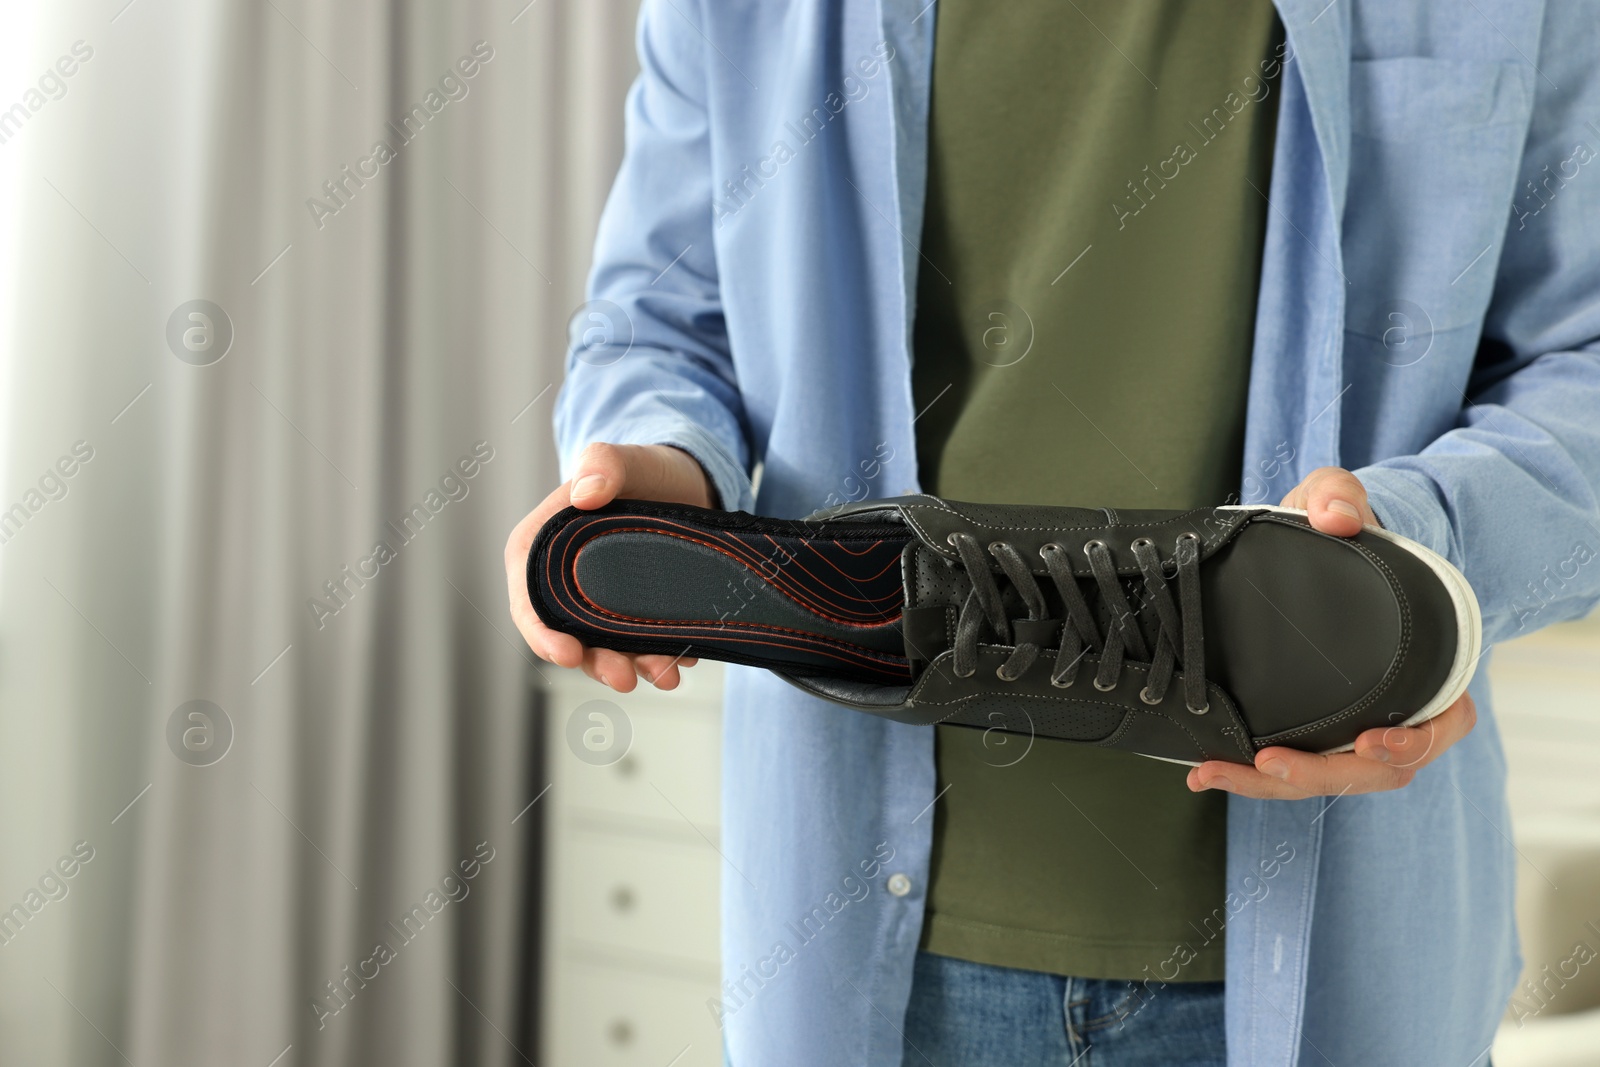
[(1550, 1041), (637, 894), (1558, 929), (608, 1017), (670, 773)]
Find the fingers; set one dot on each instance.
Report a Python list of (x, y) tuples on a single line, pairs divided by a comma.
[(622, 671), (564, 650), (650, 472), (603, 473), (1286, 774), (662, 671), (558, 648), (610, 669), (1417, 746), (1304, 774), (1385, 758), (600, 476), (1334, 500)]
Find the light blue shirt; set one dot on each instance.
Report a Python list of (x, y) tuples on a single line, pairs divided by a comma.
[(1428, 315)]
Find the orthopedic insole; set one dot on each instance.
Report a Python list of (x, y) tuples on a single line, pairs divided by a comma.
[(810, 598)]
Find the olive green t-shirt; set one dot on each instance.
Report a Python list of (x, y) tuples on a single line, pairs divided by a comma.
[(1097, 183)]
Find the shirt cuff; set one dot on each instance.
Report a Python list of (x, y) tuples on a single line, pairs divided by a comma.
[(1407, 503)]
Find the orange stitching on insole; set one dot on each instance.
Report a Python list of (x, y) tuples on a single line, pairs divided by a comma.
[(801, 596), (828, 647)]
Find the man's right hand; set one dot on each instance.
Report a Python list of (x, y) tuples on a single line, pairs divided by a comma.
[(604, 473)]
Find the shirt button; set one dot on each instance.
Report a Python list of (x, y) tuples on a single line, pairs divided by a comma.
[(899, 885)]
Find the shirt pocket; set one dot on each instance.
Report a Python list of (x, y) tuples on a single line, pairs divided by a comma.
[(1434, 149)]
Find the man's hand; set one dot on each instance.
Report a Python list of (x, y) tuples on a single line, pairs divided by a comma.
[(1383, 758), (604, 473)]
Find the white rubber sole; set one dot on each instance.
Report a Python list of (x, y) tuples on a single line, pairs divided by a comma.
[(1469, 636)]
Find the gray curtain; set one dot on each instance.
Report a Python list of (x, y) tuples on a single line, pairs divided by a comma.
[(372, 361)]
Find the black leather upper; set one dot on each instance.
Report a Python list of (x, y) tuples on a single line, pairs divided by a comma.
[(1309, 638), (1366, 603), (1029, 528)]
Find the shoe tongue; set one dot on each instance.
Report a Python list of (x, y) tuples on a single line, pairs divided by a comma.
[(935, 591), (931, 580), (936, 588)]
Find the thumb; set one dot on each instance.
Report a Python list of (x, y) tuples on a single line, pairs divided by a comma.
[(1335, 501), (601, 473)]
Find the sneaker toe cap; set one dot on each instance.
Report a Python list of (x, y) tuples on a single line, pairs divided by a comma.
[(1320, 638)]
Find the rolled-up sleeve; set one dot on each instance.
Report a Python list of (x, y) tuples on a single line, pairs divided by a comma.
[(649, 361), (1511, 494)]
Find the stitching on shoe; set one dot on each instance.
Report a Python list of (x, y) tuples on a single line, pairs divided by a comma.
[(1045, 529), (927, 539), (1234, 730), (1228, 733), (1127, 711), (1389, 676)]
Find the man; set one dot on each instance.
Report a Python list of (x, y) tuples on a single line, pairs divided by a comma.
[(1123, 255)]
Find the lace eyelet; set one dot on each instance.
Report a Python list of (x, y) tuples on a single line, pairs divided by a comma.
[(1057, 683), (1138, 541), (1104, 688), (1050, 547), (1097, 543), (1198, 711), (1144, 695)]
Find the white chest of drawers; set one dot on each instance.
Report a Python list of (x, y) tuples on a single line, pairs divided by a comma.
[(632, 873)]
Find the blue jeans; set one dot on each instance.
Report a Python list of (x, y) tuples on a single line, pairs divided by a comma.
[(972, 1015)]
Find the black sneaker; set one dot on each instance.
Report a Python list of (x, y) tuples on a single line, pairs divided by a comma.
[(1185, 636)]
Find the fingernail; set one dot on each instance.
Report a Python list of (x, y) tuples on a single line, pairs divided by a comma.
[(1379, 753), (1275, 767), (1345, 508), (1220, 783), (589, 486)]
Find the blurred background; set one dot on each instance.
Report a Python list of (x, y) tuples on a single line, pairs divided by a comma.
[(284, 294)]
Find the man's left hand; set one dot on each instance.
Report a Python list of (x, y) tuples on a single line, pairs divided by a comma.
[(1385, 758)]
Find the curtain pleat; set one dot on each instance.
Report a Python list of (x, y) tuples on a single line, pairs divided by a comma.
[(289, 533)]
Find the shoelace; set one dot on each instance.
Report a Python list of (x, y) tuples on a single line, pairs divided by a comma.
[(1180, 620)]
